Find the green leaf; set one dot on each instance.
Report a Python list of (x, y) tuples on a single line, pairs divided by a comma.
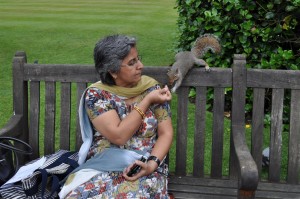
[(270, 5), (293, 67), (229, 7), (269, 15), (290, 8)]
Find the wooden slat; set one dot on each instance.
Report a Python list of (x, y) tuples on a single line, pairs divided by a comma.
[(216, 77), (69, 73), (268, 78), (192, 187), (65, 115), (181, 138), (34, 122), (278, 187), (20, 99), (80, 89), (199, 136), (258, 126), (49, 135), (294, 141), (191, 191), (276, 135), (218, 133), (267, 190), (60, 72)]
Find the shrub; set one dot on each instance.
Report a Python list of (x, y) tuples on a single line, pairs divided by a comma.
[(267, 32)]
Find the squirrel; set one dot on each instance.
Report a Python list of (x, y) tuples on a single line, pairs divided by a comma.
[(185, 60)]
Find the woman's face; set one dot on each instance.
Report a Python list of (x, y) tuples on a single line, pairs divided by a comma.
[(131, 70)]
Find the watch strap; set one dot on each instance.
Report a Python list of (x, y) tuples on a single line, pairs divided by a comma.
[(155, 159)]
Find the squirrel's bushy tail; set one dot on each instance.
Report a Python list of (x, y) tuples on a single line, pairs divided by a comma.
[(204, 43)]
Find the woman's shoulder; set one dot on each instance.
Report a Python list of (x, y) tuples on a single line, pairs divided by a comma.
[(94, 92)]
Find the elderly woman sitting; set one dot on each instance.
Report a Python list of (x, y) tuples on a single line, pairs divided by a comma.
[(124, 117)]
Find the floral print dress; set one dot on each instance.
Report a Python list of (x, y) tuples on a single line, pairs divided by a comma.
[(112, 184)]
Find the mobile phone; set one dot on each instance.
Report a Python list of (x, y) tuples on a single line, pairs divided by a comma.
[(136, 168)]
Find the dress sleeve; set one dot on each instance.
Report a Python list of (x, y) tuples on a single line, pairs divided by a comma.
[(98, 102), (161, 111)]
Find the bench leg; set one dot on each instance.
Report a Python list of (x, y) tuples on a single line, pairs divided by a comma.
[(246, 194)]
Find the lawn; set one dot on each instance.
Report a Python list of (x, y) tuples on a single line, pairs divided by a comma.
[(66, 31)]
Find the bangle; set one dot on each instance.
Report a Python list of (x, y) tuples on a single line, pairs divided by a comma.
[(139, 111), (155, 159)]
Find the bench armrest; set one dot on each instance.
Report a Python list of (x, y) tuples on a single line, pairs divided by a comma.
[(248, 173), (13, 127)]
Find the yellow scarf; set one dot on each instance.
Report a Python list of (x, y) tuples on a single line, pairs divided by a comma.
[(145, 83)]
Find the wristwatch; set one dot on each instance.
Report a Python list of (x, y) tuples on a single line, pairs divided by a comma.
[(155, 159)]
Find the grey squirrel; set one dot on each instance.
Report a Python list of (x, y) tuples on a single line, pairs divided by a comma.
[(185, 60)]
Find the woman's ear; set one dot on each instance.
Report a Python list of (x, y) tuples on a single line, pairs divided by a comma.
[(114, 75)]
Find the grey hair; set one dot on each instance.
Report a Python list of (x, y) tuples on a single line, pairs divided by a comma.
[(109, 53)]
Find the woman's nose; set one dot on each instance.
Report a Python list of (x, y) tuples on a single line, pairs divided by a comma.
[(140, 65)]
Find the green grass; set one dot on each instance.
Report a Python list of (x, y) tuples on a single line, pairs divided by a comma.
[(66, 31)]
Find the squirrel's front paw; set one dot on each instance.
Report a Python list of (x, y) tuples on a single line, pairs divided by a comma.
[(207, 69)]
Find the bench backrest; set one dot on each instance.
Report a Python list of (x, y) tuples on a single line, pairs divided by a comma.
[(52, 92), (280, 90)]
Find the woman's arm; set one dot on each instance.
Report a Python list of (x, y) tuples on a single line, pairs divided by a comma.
[(119, 131), (160, 150), (164, 141)]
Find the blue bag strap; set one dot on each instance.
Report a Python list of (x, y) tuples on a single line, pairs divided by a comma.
[(64, 158), (55, 184), (44, 181)]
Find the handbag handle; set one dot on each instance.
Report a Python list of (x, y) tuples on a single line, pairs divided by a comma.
[(11, 147)]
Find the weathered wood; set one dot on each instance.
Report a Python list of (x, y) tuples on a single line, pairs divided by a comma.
[(199, 135), (258, 126), (20, 91), (34, 123), (247, 169), (268, 190), (218, 132), (80, 89), (276, 135), (294, 146), (268, 78), (69, 73), (50, 103), (65, 115), (181, 139), (191, 187)]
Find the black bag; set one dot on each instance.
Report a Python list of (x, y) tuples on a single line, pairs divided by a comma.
[(9, 162)]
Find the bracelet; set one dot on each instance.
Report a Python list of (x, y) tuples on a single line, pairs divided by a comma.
[(139, 111), (155, 159)]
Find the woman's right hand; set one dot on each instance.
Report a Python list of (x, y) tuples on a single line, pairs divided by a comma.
[(146, 169)]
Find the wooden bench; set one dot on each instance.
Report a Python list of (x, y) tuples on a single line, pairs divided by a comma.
[(52, 92)]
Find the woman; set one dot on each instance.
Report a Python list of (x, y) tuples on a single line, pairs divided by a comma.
[(130, 118)]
